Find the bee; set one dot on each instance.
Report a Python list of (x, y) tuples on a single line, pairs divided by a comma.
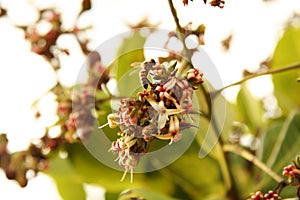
[(145, 69)]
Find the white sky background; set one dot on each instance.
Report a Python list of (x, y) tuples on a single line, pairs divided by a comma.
[(24, 76)]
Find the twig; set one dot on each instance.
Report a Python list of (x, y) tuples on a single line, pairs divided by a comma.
[(272, 71), (181, 37), (175, 17), (252, 158)]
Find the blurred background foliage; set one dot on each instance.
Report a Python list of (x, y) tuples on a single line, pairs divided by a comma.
[(268, 128)]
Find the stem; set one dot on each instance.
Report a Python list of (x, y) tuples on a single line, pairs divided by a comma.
[(175, 17), (181, 37), (207, 99), (280, 187), (224, 164), (272, 71), (252, 158)]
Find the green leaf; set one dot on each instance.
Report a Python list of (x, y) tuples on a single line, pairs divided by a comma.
[(212, 127), (286, 145), (250, 109), (111, 195), (130, 51), (224, 113), (287, 52), (90, 170), (70, 190), (69, 184), (268, 141), (280, 145), (93, 171), (199, 178)]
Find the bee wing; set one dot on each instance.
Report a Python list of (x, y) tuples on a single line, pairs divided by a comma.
[(136, 64)]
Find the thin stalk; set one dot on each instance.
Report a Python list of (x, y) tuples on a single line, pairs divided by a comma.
[(272, 71), (181, 37), (175, 17), (252, 158)]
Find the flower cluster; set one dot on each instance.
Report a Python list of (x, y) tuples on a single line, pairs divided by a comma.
[(159, 112), (271, 195), (290, 171)]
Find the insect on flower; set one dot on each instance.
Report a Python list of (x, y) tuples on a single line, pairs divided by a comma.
[(157, 113), (144, 68)]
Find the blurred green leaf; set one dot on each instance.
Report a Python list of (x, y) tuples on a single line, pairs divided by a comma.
[(199, 178), (129, 52), (203, 98), (69, 184), (70, 190), (93, 171), (287, 144), (215, 123), (287, 52), (268, 140), (279, 146), (111, 195), (250, 109), (223, 114), (90, 170)]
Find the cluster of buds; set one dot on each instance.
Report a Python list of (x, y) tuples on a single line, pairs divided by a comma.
[(80, 117), (81, 120), (291, 171), (159, 112), (271, 195)]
